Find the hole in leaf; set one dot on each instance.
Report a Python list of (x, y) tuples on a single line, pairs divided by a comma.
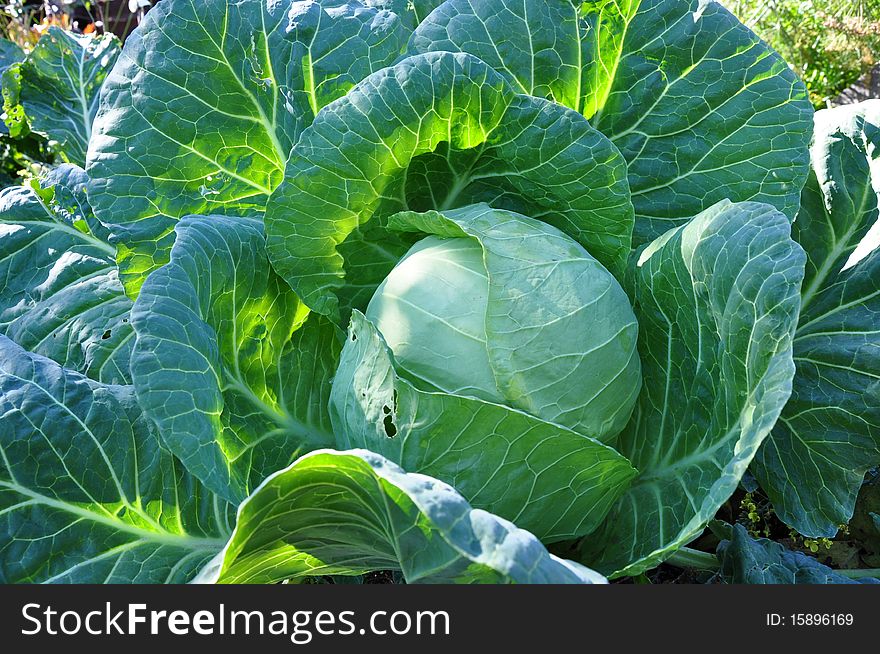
[(390, 428), (106, 335)]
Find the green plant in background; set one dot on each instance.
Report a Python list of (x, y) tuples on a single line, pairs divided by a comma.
[(53, 59), (24, 21), (829, 43), (20, 151)]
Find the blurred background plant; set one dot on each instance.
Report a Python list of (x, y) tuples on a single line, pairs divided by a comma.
[(831, 44), (23, 154), (24, 21)]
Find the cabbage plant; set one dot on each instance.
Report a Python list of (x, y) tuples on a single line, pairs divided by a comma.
[(325, 287)]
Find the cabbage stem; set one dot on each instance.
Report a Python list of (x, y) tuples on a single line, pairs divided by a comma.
[(860, 574), (691, 558)]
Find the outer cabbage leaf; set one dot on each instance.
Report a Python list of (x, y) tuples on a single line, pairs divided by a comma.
[(200, 113), (829, 434), (411, 12), (57, 87), (747, 560), (440, 131), (699, 106), (347, 513), (87, 494), (538, 45), (717, 302), (63, 189), (549, 479), (60, 294), (226, 362)]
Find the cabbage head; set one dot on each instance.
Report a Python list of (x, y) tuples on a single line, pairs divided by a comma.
[(516, 313)]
